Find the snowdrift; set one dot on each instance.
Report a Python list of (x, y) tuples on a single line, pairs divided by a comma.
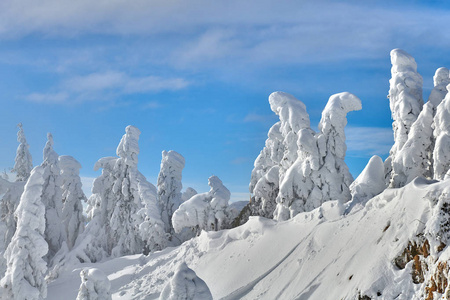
[(394, 247)]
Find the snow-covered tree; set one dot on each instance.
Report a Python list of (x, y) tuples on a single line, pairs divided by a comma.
[(279, 153), (151, 226), (369, 183), (405, 99), (206, 211), (94, 285), (72, 196), (441, 154), (26, 268), (185, 285), (23, 160), (440, 79), (121, 200), (51, 197), (415, 157), (116, 200), (188, 193), (169, 186), (319, 174)]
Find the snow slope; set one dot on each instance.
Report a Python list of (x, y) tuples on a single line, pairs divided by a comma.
[(321, 254)]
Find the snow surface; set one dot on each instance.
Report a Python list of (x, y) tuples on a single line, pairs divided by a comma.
[(321, 254)]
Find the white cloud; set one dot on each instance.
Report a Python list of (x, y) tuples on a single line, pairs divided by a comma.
[(249, 31), (368, 140)]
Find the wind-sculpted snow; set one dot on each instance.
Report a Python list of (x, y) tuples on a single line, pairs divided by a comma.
[(188, 194)]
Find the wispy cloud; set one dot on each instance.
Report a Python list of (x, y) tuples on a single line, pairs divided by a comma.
[(260, 118), (54, 98), (107, 85), (368, 141)]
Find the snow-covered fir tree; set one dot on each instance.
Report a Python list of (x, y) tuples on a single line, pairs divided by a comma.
[(185, 285), (121, 201), (279, 153), (94, 285), (169, 186), (26, 267), (23, 162), (72, 197), (206, 211), (188, 194), (319, 173), (51, 197), (405, 101)]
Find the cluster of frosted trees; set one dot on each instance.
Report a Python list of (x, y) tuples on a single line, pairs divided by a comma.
[(299, 169), (42, 225)]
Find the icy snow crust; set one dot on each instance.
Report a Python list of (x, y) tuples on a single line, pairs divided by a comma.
[(322, 254)]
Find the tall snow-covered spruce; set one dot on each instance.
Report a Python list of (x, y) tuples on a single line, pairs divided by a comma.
[(169, 187), (26, 267), (319, 174)]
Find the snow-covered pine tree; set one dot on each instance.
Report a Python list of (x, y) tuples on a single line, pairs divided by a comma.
[(51, 197), (26, 268), (206, 211), (169, 187), (319, 173), (405, 99), (279, 153), (72, 196), (185, 285)]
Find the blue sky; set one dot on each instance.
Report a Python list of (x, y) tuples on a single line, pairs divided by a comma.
[(195, 76)]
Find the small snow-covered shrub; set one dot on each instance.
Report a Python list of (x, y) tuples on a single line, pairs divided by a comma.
[(94, 285)]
